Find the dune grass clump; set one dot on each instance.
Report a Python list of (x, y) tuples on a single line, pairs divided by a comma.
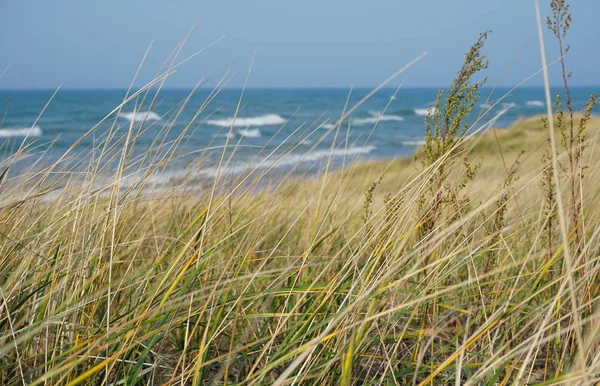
[(445, 125), (353, 276)]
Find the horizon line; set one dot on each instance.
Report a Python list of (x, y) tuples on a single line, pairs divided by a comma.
[(124, 88)]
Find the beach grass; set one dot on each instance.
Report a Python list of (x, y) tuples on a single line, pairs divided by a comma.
[(476, 261), (324, 279)]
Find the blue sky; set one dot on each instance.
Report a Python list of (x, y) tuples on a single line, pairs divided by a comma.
[(99, 44)]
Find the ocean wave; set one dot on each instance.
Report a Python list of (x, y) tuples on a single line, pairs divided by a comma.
[(34, 131), (317, 155), (509, 105), (250, 133), (423, 112), (485, 106), (288, 160), (413, 142), (534, 104), (263, 120), (139, 116), (376, 117)]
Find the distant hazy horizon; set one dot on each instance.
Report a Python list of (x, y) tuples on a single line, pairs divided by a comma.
[(485, 88), (84, 45)]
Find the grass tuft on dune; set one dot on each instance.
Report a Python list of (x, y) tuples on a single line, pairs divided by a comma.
[(314, 281)]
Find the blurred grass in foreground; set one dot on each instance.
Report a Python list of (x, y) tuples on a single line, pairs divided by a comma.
[(342, 278), (231, 287)]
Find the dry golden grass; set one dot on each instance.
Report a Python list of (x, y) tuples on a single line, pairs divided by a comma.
[(302, 283)]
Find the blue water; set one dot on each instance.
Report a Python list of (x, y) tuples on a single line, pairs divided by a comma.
[(294, 125)]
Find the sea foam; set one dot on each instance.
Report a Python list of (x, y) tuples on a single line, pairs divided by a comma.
[(413, 143), (424, 112), (263, 120), (317, 155), (250, 133), (288, 160), (34, 131), (534, 104), (139, 116), (376, 117)]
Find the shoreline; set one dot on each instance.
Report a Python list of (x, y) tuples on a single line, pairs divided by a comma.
[(258, 180)]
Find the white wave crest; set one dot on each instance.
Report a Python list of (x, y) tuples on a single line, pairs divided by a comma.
[(34, 131), (509, 105), (293, 159), (327, 126), (377, 117), (534, 104), (424, 112), (413, 143), (263, 120), (139, 116), (249, 133), (288, 160)]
